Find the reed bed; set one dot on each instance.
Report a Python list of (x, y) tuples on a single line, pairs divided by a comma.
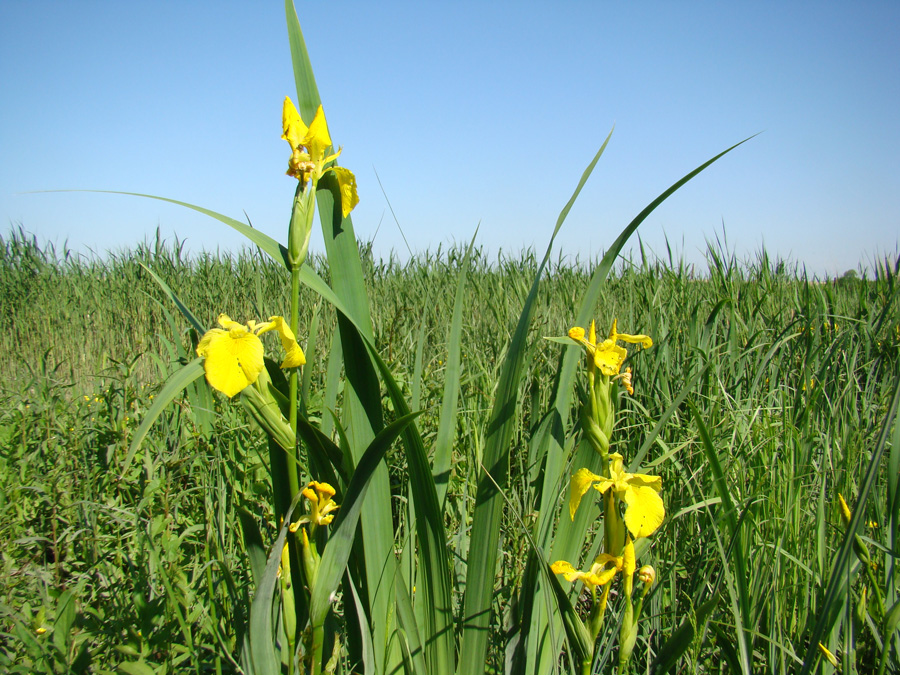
[(147, 572)]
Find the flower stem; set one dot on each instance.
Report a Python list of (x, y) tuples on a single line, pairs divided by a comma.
[(293, 378)]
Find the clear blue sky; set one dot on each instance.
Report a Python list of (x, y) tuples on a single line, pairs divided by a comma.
[(469, 112)]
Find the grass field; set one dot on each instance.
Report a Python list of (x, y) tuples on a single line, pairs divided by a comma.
[(764, 396)]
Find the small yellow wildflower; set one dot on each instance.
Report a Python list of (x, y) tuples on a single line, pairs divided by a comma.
[(234, 353), (607, 356), (644, 510), (309, 153)]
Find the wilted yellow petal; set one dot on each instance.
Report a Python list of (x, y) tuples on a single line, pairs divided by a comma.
[(645, 511), (647, 574), (581, 483), (347, 184)]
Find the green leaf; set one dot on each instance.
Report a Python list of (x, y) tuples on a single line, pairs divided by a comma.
[(362, 394), (340, 543), (677, 644), (261, 635), (253, 544), (135, 668), (187, 313), (173, 387), (272, 248), (485, 536), (827, 613), (65, 618), (443, 443)]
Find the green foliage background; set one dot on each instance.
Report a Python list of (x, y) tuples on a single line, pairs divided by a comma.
[(147, 572)]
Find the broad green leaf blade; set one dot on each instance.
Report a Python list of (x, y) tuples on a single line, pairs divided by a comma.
[(174, 386), (340, 543), (325, 458), (253, 545), (65, 618), (435, 594), (362, 393), (272, 248), (433, 557), (415, 656), (261, 637), (485, 537)]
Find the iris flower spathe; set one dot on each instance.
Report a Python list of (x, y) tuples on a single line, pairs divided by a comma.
[(644, 511), (233, 354)]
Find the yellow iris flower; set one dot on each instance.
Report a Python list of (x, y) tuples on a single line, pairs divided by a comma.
[(601, 573), (321, 505), (233, 354), (309, 153), (644, 510), (607, 356), (603, 570)]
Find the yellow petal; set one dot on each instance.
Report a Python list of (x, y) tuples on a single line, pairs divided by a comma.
[(644, 480), (628, 561), (647, 574), (294, 130), (645, 511), (592, 333), (225, 321), (581, 483), (347, 184), (317, 140), (566, 569), (295, 356), (845, 510), (577, 333), (608, 357), (828, 655), (643, 340), (233, 358)]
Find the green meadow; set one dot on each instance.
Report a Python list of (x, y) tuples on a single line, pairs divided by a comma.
[(785, 383)]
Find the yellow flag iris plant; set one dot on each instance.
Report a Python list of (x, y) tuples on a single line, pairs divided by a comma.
[(629, 501)]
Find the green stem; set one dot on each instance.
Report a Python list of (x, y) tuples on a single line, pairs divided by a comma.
[(318, 639), (293, 378)]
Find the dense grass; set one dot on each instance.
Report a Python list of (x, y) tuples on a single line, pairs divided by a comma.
[(794, 379)]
